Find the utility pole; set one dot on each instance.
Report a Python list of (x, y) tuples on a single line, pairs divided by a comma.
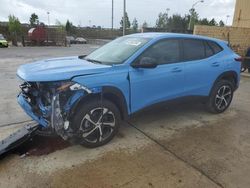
[(48, 18), (228, 16), (48, 29), (191, 16), (124, 19), (168, 9), (112, 18)]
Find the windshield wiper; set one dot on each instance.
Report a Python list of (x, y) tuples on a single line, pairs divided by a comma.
[(94, 61)]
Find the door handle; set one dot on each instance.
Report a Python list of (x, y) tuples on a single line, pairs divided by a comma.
[(215, 64), (176, 69)]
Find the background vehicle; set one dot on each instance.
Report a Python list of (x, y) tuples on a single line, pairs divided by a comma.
[(3, 41), (80, 40), (38, 35), (85, 98), (71, 39)]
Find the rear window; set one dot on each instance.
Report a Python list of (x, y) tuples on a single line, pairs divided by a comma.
[(193, 49), (215, 47), (208, 50)]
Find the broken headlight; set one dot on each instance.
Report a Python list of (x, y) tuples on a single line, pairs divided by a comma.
[(72, 86)]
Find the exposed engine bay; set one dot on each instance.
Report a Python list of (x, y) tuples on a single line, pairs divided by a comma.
[(50, 104)]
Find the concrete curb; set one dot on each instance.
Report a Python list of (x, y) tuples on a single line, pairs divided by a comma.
[(247, 75)]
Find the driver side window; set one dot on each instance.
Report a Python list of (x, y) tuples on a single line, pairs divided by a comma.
[(164, 52)]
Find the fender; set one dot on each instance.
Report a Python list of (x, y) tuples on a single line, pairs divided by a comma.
[(108, 92), (116, 96), (229, 75)]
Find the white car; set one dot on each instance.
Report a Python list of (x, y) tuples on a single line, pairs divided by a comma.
[(80, 40)]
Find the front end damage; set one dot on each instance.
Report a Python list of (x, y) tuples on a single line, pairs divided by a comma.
[(50, 104)]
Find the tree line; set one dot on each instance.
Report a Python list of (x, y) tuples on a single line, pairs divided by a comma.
[(175, 22)]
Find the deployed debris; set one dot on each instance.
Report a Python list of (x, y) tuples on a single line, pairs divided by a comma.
[(17, 138)]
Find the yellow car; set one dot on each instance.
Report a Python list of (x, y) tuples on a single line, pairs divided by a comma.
[(3, 41)]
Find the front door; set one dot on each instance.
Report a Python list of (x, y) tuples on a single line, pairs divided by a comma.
[(153, 85)]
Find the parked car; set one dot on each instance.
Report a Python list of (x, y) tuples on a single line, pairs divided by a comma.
[(71, 39), (80, 40), (85, 98), (3, 41)]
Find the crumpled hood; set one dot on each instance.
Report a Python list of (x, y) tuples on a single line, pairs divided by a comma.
[(59, 69)]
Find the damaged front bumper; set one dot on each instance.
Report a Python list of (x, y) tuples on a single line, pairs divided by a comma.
[(22, 100), (50, 105)]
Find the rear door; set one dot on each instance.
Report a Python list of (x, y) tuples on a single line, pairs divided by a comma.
[(202, 65), (152, 85)]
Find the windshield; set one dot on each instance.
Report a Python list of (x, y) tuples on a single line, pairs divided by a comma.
[(117, 51), (1, 37)]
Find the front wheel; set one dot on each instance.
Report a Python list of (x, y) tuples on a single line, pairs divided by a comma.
[(96, 123), (221, 96)]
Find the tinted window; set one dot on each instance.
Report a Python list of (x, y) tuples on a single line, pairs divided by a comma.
[(193, 49), (164, 52), (215, 47), (208, 50)]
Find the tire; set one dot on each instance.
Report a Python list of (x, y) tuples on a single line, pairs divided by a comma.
[(220, 97), (92, 130)]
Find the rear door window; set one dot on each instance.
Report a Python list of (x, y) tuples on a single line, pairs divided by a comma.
[(193, 50)]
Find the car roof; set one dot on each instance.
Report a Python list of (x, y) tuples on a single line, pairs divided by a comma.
[(156, 35)]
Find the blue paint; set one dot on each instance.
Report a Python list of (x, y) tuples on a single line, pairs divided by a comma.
[(28, 109), (58, 69), (73, 99), (140, 87)]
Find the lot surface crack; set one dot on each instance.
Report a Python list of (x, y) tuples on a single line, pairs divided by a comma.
[(16, 123), (175, 155)]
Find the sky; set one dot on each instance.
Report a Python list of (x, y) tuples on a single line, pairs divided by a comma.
[(98, 12)]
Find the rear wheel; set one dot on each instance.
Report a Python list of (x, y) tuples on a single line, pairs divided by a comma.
[(221, 96), (96, 123)]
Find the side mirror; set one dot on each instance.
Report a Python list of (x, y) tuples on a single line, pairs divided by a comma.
[(145, 62)]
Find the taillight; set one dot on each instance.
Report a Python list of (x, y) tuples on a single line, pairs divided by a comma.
[(239, 59)]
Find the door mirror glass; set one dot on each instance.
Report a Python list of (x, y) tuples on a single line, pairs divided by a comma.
[(145, 62)]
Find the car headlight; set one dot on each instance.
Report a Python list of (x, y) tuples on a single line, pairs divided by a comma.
[(73, 87), (64, 86)]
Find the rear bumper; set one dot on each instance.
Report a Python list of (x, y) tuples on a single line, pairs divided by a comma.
[(28, 109)]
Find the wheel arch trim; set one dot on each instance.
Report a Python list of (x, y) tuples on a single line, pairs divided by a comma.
[(110, 93), (226, 75)]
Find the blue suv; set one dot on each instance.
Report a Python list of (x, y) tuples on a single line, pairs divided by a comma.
[(85, 98)]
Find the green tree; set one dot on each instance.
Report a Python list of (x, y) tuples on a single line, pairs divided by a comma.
[(69, 27), (127, 22), (34, 20), (213, 22), (135, 25), (145, 24), (162, 20), (221, 24), (204, 21), (60, 27), (177, 23), (14, 27)]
